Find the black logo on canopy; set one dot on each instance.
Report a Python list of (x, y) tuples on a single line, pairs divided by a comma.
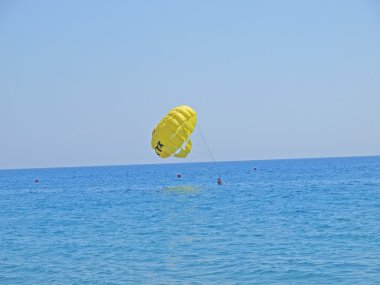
[(158, 147)]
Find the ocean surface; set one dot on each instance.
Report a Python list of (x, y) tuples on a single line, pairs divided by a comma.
[(306, 221)]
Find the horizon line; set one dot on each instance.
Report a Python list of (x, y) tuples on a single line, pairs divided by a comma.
[(192, 162)]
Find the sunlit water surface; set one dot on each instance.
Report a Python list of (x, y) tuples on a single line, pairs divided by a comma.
[(310, 221)]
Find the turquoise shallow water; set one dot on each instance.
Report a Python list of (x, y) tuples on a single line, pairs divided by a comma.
[(309, 221)]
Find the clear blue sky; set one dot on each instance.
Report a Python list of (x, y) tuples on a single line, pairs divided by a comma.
[(84, 82)]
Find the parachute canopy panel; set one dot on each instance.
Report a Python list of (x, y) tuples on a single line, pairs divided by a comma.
[(171, 134)]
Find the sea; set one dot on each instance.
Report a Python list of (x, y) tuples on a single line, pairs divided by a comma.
[(299, 221)]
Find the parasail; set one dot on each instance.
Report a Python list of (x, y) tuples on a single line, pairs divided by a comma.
[(171, 135)]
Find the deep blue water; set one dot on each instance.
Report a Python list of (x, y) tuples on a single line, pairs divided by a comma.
[(309, 221)]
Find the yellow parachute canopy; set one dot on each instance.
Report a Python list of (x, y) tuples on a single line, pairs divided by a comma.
[(171, 135)]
